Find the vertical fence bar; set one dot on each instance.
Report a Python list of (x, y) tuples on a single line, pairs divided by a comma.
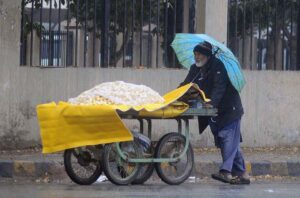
[(50, 60), (104, 41), (141, 33), (236, 28), (166, 33), (107, 19), (31, 32), (68, 24), (291, 36), (59, 35), (115, 31), (259, 38), (94, 32), (22, 37), (174, 31), (157, 31), (275, 35), (54, 36), (268, 22), (132, 36), (149, 35), (124, 29), (228, 22), (251, 37), (85, 33), (41, 32), (298, 35), (76, 36), (192, 16), (244, 30), (283, 42)]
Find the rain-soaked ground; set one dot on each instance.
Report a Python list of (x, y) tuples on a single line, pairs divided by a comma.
[(288, 187)]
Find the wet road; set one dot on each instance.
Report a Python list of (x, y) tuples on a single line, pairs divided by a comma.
[(207, 189)]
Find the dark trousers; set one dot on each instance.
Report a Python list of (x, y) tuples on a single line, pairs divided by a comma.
[(228, 140)]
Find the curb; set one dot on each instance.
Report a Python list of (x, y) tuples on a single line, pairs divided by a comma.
[(32, 169), (55, 170)]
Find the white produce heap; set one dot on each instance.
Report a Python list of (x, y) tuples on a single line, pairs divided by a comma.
[(118, 93)]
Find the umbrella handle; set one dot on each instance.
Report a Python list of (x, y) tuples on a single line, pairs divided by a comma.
[(216, 51)]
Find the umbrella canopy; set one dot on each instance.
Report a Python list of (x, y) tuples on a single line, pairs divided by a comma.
[(184, 44)]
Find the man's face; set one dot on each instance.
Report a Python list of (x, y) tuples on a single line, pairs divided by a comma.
[(200, 59)]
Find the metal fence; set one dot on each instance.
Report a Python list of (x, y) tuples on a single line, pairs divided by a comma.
[(265, 34), (102, 33), (54, 48)]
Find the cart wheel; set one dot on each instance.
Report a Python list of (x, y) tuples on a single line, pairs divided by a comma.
[(117, 170), (145, 173), (169, 146), (83, 164)]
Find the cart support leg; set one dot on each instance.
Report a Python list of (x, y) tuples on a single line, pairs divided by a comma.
[(179, 126), (141, 126), (149, 123), (187, 137)]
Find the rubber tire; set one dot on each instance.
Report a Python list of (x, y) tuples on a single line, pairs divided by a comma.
[(159, 170), (105, 165), (72, 174), (143, 177)]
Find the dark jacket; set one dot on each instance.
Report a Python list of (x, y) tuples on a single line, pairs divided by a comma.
[(213, 79)]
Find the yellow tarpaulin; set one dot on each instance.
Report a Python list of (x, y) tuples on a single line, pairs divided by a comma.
[(65, 126)]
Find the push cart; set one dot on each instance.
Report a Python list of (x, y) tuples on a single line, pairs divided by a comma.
[(133, 162)]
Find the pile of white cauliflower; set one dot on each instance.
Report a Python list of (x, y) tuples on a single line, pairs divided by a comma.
[(118, 93)]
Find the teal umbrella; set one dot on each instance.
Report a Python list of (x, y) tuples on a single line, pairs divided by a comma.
[(184, 44)]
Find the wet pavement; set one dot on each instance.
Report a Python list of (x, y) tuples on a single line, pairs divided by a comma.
[(281, 188)]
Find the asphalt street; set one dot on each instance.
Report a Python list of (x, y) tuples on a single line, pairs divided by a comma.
[(265, 189)]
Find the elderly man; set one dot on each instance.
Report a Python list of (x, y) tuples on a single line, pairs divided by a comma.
[(210, 74)]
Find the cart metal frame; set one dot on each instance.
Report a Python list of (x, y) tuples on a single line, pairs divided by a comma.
[(188, 115)]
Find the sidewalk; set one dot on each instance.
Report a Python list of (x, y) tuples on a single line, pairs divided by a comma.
[(260, 161)]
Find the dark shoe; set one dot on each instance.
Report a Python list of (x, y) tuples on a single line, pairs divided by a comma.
[(240, 180), (222, 176)]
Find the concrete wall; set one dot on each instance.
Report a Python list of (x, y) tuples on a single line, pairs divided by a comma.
[(271, 99)]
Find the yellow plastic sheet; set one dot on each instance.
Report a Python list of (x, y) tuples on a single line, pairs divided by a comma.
[(65, 126)]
